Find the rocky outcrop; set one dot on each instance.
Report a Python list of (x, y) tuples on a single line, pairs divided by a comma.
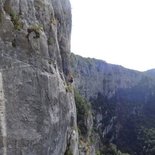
[(37, 115), (94, 76)]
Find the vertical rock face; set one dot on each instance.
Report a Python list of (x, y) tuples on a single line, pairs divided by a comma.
[(94, 76), (37, 115)]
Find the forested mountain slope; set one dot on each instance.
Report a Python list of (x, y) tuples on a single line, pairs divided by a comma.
[(122, 102)]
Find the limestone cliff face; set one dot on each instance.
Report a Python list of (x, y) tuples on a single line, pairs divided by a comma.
[(94, 76), (37, 115)]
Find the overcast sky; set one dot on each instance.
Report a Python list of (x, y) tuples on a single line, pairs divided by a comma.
[(117, 31)]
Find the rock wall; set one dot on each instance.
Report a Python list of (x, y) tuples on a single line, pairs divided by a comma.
[(94, 76), (37, 115)]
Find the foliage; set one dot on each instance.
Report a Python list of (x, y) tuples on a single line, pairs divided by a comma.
[(68, 152), (36, 29), (111, 149), (69, 88), (137, 118), (83, 109), (147, 138), (98, 152), (16, 20), (133, 109)]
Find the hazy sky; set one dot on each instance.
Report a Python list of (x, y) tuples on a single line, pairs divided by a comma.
[(117, 31)]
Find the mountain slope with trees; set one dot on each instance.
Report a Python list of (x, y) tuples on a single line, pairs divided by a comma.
[(122, 104)]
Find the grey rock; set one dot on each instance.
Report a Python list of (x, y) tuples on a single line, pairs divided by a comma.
[(94, 76), (38, 116)]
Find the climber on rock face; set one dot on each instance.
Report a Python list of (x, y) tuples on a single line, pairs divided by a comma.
[(70, 78)]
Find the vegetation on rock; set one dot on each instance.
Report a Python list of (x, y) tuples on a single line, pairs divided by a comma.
[(122, 102), (82, 113), (16, 20)]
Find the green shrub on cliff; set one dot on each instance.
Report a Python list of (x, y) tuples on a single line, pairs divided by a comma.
[(83, 109), (15, 18)]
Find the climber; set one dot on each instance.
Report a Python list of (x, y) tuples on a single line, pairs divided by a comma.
[(70, 78)]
